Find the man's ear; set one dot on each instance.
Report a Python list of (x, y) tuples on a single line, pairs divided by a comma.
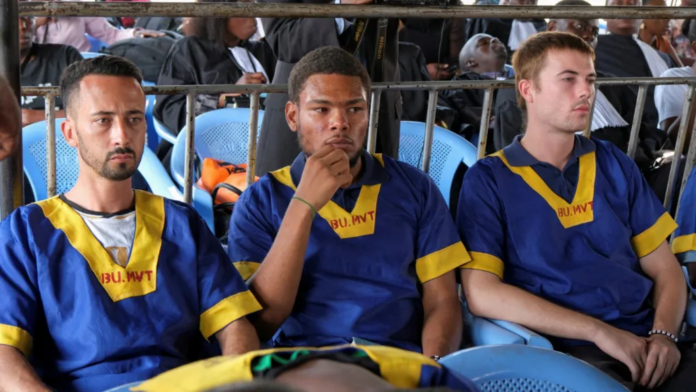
[(291, 115), (525, 88), (551, 26), (69, 131)]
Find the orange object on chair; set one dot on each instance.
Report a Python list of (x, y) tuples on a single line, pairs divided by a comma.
[(216, 172)]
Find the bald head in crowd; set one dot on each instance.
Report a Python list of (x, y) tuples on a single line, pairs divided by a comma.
[(10, 120), (483, 53)]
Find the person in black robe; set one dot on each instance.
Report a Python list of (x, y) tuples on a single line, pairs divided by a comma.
[(612, 117), (482, 58), (440, 41), (291, 39), (216, 52), (502, 28), (415, 102), (619, 53)]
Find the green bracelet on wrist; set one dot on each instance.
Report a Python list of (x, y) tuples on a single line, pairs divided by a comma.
[(314, 212)]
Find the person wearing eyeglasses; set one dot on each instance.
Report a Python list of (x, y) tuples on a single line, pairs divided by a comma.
[(623, 54), (613, 112)]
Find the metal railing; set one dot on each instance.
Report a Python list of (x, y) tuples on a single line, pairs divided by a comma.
[(432, 87), (10, 169)]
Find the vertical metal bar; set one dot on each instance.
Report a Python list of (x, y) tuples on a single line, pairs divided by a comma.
[(253, 131), (485, 122), (429, 129), (50, 108), (11, 174), (690, 160), (637, 120), (375, 100), (679, 147), (190, 148), (588, 129)]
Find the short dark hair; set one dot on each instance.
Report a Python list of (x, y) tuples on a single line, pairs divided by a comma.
[(102, 65), (326, 60), (212, 29)]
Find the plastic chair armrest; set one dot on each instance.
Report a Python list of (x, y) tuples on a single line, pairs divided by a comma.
[(163, 132), (530, 337)]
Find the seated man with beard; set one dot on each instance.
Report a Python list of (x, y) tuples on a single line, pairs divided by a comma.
[(103, 285), (344, 245)]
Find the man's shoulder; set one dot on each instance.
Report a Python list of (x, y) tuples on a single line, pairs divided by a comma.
[(678, 72), (55, 50), (23, 219)]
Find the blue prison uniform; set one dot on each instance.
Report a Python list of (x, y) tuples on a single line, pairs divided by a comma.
[(363, 269), (684, 245), (89, 324), (581, 254), (400, 368)]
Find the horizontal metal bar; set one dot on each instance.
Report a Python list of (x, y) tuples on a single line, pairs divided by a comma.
[(274, 10), (438, 86)]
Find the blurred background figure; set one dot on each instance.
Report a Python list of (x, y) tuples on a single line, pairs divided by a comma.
[(656, 33)]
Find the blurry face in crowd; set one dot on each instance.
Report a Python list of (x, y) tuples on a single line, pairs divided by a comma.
[(483, 53), (562, 94), (186, 27), (624, 26), (657, 27), (587, 29), (26, 34), (242, 28), (106, 122), (331, 109)]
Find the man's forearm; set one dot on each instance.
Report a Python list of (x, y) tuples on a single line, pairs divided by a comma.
[(669, 297), (238, 338), (277, 280), (16, 374), (442, 330), (491, 298)]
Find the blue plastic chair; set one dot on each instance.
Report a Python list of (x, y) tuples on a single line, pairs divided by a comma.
[(95, 44), (220, 134), (90, 55), (449, 150), (67, 166), (162, 131), (514, 368), (153, 138)]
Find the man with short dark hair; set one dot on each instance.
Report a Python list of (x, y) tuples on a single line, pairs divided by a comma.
[(485, 55), (567, 238), (343, 245), (95, 289), (42, 65)]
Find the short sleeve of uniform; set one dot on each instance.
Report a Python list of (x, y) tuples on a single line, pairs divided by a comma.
[(669, 99), (650, 223), (19, 304), (480, 220), (251, 233), (224, 297), (684, 245), (440, 249)]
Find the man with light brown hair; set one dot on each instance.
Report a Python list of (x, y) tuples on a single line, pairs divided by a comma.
[(567, 238)]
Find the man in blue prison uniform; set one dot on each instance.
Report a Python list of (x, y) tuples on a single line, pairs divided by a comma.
[(566, 236), (343, 245), (103, 286)]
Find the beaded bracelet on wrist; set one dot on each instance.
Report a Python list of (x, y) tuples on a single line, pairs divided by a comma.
[(665, 333)]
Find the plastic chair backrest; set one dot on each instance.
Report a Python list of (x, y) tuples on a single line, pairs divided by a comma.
[(68, 168), (513, 368), (95, 44), (90, 55), (220, 134), (153, 138), (449, 150)]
